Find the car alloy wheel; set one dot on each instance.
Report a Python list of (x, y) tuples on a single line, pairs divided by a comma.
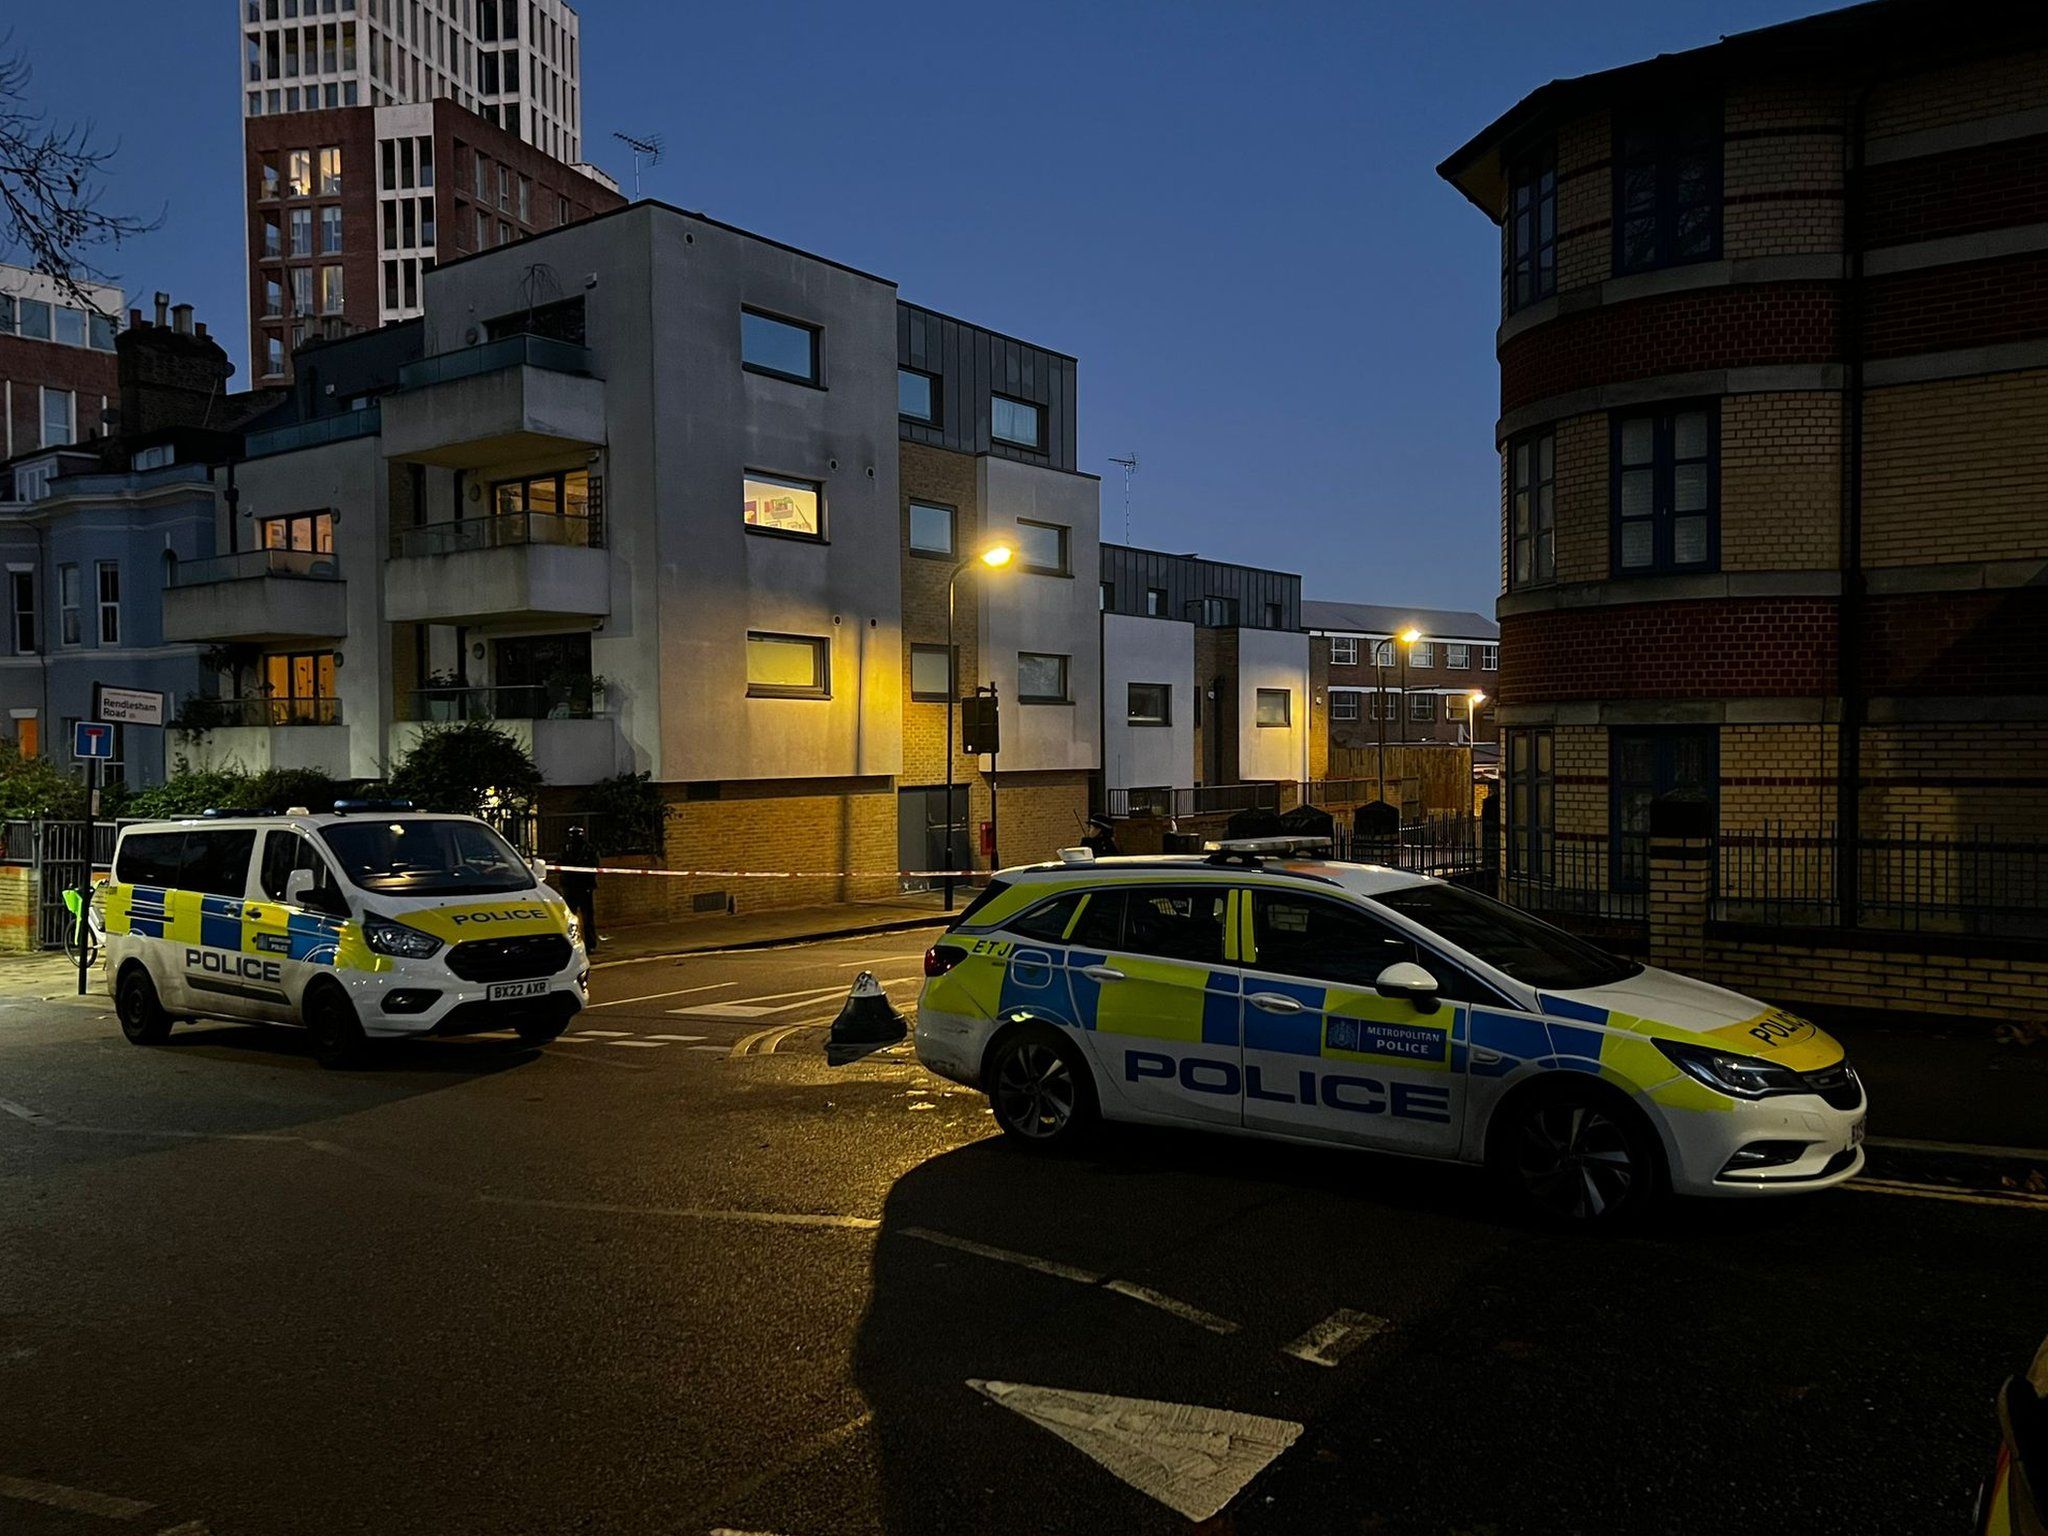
[(1035, 1092), (1576, 1162)]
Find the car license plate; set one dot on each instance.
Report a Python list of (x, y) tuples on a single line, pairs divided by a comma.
[(1856, 1135), (499, 991)]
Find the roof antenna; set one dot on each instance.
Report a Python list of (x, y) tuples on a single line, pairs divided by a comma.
[(1130, 464), (646, 151)]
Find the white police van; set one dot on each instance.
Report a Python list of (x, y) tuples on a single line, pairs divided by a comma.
[(1315, 1000), (373, 923)]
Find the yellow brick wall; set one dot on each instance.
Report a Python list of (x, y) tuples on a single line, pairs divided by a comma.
[(1946, 779), (1585, 197), (1037, 815), (1785, 148), (1889, 975), (1959, 93), (1582, 498), (935, 475), (1778, 776), (1781, 482), (1579, 762), (17, 908), (1954, 470)]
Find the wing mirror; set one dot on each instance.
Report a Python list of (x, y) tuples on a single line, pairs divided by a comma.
[(302, 888), (539, 866), (1404, 978)]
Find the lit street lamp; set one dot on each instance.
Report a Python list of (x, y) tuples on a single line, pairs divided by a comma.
[(995, 557), (1473, 700), (1408, 639)]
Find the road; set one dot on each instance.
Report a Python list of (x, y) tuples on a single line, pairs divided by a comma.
[(677, 1275)]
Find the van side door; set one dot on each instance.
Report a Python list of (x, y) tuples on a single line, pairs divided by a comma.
[(302, 937), (221, 972)]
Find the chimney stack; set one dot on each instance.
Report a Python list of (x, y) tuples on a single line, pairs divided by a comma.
[(199, 329), (181, 319), (163, 308), (134, 319)]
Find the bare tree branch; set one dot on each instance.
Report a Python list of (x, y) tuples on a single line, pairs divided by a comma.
[(50, 188)]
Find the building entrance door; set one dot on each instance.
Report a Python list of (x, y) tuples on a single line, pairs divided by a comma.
[(923, 843)]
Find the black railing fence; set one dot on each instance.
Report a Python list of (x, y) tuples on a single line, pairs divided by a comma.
[(1201, 800), (1584, 877), (1461, 848)]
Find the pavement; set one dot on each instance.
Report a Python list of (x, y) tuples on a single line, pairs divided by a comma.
[(674, 1274)]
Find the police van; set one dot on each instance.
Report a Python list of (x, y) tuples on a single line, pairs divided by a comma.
[(1261, 991), (372, 923)]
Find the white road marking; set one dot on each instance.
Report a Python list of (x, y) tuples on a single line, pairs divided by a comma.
[(80, 1501), (2011, 1199), (692, 1213), (676, 1039), (649, 997), (1335, 1337), (189, 1528), (722, 1050), (600, 1034), (1193, 1460), (639, 1045), (23, 1112), (1126, 1288), (1968, 1148)]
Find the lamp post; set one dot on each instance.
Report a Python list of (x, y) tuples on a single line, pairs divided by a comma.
[(995, 558), (1472, 702)]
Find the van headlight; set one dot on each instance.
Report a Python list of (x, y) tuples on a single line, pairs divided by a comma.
[(389, 938), (1742, 1077), (575, 929)]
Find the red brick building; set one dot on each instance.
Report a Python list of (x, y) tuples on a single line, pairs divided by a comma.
[(1774, 380), (349, 208), (57, 369)]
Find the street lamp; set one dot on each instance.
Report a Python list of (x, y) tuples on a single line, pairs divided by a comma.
[(1472, 702), (1408, 639), (995, 557)]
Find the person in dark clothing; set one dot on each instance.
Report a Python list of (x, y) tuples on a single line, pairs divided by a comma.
[(578, 889), (1101, 838)]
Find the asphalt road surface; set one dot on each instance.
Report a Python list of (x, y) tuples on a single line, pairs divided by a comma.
[(676, 1274)]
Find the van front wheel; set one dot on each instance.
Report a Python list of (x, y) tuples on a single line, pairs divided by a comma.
[(141, 1012), (336, 1033)]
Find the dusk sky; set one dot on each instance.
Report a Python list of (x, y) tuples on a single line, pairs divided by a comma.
[(1229, 213)]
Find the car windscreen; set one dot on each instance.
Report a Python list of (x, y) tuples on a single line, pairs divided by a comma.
[(1509, 940), (418, 857)]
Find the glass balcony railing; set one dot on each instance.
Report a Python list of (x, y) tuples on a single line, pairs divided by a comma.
[(503, 530), (198, 714), (297, 564), (577, 699), (367, 422), (495, 356)]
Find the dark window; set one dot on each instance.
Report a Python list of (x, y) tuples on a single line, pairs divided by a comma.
[(1643, 765), (423, 857), (1149, 704), (931, 529), (1102, 922), (931, 673), (1042, 547), (1274, 706), (284, 852), (1666, 490), (1273, 616), (1048, 922), (1172, 922), (1667, 188), (1217, 613), (1155, 602), (22, 591), (1016, 422), (1532, 509), (151, 858), (1105, 595), (917, 396), (784, 348), (1532, 229), (1506, 938), (1322, 941), (1041, 679), (1530, 788), (217, 862)]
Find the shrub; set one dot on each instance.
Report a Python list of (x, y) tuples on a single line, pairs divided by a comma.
[(461, 768), (35, 786), (627, 813), (189, 790)]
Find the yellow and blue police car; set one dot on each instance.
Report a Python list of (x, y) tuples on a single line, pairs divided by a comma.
[(372, 923), (1258, 990)]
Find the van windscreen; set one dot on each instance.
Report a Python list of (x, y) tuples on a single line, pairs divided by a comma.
[(422, 857)]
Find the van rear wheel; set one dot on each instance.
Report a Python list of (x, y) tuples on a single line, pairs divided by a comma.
[(336, 1033), (141, 1012)]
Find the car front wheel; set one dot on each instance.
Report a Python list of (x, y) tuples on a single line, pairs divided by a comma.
[(1571, 1155), (1040, 1090)]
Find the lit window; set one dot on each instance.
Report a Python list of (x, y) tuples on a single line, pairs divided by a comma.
[(299, 173), (779, 347), (1041, 679), (931, 529), (330, 172), (1016, 422), (791, 507), (1275, 706), (330, 290), (787, 667)]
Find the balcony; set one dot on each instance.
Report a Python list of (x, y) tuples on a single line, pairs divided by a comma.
[(510, 565), (259, 595), (366, 422), (520, 397), (563, 727), (255, 734)]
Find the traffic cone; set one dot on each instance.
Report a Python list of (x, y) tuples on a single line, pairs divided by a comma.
[(866, 1023)]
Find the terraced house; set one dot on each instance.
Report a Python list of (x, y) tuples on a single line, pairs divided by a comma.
[(1773, 364)]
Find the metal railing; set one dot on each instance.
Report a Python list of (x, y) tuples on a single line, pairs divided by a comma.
[(1979, 883), (499, 530), (519, 701), (367, 422), (1198, 800), (198, 714), (298, 564), (1447, 847), (495, 356), (1595, 878)]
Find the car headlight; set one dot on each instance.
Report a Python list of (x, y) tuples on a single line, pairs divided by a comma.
[(1743, 1077), (389, 938)]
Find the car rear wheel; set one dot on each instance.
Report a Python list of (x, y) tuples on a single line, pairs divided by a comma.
[(336, 1033), (1040, 1089), (141, 1012), (1571, 1155)]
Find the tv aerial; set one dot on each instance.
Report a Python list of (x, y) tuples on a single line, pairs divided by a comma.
[(646, 151), (1129, 462)]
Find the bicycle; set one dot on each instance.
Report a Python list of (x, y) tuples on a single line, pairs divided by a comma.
[(84, 929)]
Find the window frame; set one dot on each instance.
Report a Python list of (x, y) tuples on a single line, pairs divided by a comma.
[(1663, 489), (70, 399), (1531, 783), (1164, 716), (931, 383), (1066, 553), (1348, 696), (109, 628), (1344, 650), (1259, 698), (787, 482), (815, 378), (1158, 612), (1422, 706), (1663, 126), (1489, 656), (1540, 532), (1534, 171), (821, 648), (1628, 852), (952, 661), (21, 605), (70, 612), (1066, 693), (913, 506), (1037, 444)]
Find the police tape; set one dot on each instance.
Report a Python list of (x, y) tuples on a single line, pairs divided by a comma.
[(768, 874)]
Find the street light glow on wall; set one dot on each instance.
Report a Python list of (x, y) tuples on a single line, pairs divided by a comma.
[(995, 557)]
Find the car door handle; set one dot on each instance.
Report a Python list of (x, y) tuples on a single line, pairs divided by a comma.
[(1102, 973), (1481, 1054), (1276, 1002)]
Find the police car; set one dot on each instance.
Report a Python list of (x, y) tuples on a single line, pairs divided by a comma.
[(1258, 990), (372, 923)]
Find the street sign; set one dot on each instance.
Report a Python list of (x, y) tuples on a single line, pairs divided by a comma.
[(130, 706), (92, 739)]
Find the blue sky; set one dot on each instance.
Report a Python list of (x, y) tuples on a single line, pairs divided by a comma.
[(1228, 212)]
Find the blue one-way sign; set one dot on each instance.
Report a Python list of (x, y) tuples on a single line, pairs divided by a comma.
[(92, 738)]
